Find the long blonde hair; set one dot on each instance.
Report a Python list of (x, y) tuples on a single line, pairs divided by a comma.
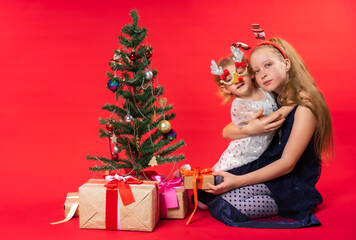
[(301, 89)]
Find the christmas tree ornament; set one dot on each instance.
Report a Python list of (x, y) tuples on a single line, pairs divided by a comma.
[(137, 142), (117, 55), (113, 84), (164, 126), (148, 74), (162, 102), (109, 127), (115, 61), (116, 149), (148, 53), (133, 55), (171, 135), (113, 138), (128, 118), (115, 156), (153, 162)]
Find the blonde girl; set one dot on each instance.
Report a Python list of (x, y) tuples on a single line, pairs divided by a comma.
[(237, 85), (281, 182)]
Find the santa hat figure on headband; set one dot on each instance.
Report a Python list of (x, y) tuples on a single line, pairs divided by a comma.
[(259, 32)]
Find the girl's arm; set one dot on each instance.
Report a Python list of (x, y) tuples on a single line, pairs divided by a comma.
[(282, 112), (258, 124), (303, 129)]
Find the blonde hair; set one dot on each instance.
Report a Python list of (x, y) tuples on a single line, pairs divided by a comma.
[(301, 89), (224, 62)]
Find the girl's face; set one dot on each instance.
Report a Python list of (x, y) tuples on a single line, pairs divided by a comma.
[(270, 69), (241, 89)]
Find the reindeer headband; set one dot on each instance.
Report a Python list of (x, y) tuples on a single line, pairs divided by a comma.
[(260, 34), (238, 54)]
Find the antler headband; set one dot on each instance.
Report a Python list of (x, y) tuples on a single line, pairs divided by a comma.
[(238, 55)]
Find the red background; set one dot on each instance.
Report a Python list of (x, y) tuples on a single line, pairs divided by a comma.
[(54, 56)]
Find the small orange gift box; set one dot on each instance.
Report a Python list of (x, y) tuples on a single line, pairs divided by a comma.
[(195, 179), (202, 178)]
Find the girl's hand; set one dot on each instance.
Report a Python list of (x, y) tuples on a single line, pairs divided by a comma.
[(230, 182), (177, 174), (259, 124)]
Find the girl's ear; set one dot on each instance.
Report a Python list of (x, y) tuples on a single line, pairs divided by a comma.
[(288, 64), (223, 89)]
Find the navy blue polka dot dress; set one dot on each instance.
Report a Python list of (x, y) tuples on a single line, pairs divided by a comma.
[(295, 193)]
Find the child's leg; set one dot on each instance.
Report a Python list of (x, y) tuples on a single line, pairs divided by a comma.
[(202, 206), (253, 201)]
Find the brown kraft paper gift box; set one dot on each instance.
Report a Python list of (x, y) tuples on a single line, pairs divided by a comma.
[(141, 215), (188, 182), (181, 211)]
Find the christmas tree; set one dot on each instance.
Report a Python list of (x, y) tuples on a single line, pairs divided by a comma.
[(138, 129)]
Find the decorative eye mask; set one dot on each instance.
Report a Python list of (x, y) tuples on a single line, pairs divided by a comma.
[(236, 77)]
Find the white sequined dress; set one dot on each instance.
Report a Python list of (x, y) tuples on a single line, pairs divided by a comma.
[(246, 150)]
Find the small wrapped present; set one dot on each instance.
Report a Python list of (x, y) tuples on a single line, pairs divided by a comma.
[(119, 203), (174, 200), (195, 179), (71, 207), (200, 179), (70, 202)]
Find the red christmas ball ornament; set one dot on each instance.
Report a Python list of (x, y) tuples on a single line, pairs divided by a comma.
[(133, 55), (115, 156), (109, 127)]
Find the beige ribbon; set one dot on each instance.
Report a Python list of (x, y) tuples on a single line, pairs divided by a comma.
[(71, 213)]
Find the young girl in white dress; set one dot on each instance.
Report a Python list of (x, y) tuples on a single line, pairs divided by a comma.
[(235, 83)]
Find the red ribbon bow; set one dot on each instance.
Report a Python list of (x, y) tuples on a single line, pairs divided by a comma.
[(240, 64), (224, 75), (121, 184)]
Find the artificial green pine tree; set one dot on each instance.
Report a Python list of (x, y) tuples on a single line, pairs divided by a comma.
[(138, 130)]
